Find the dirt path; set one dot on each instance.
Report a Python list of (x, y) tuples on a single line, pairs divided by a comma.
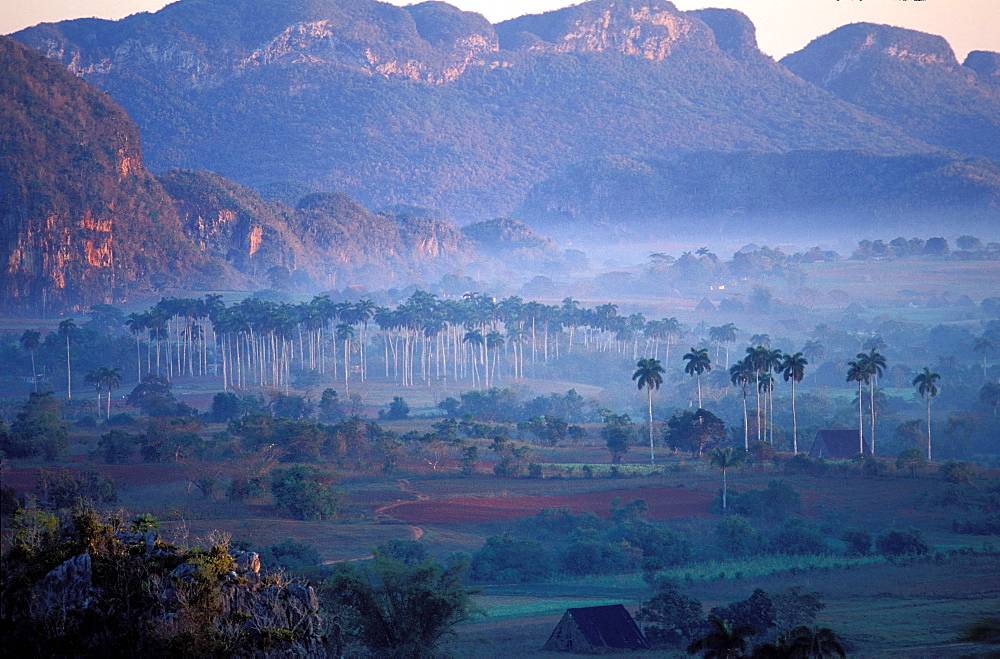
[(404, 485)]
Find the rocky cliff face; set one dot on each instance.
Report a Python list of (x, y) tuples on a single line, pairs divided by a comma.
[(653, 29), (327, 241), (909, 78), (81, 220), (195, 45)]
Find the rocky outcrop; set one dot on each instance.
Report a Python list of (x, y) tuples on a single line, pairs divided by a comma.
[(986, 64), (651, 29)]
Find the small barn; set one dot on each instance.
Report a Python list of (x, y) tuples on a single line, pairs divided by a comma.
[(596, 628), (705, 305), (835, 444)]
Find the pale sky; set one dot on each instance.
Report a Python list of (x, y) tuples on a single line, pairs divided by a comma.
[(783, 26)]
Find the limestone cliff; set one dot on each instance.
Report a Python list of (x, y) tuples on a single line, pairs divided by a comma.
[(81, 220)]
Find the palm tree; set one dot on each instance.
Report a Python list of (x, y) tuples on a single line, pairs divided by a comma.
[(858, 372), (724, 459), (698, 362), (475, 339), (649, 374), (765, 385), (722, 641), (983, 345), (740, 374), (926, 387), (793, 367), (761, 340), (874, 363), (95, 378), (111, 378), (804, 642), (771, 361), (494, 343), (723, 334), (66, 328), (989, 395), (344, 332), (30, 341)]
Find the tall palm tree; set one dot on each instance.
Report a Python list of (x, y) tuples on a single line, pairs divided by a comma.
[(111, 378), (756, 360), (723, 334), (983, 345), (771, 361), (793, 367), (858, 372), (649, 374), (698, 362), (95, 378), (31, 340), (344, 332), (740, 374), (66, 329), (874, 363), (724, 459), (723, 641), (925, 382), (474, 338), (765, 385)]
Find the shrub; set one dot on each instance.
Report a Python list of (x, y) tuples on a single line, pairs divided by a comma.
[(902, 543), (796, 537), (595, 557), (736, 536), (671, 618), (307, 492), (507, 559), (959, 473), (859, 543), (775, 502), (289, 555)]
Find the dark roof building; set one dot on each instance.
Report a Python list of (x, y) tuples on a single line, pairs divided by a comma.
[(596, 628), (836, 444), (705, 305)]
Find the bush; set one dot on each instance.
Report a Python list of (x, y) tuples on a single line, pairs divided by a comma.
[(288, 555), (775, 502), (902, 543), (307, 492), (506, 559), (398, 410), (859, 543), (671, 618), (796, 538), (959, 473), (736, 536), (595, 557)]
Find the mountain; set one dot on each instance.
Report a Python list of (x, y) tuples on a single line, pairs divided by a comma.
[(82, 220), (433, 106), (912, 80), (327, 241), (740, 193)]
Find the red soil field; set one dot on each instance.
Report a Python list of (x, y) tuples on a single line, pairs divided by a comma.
[(664, 503)]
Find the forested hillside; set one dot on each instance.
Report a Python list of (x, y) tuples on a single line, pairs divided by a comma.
[(432, 106)]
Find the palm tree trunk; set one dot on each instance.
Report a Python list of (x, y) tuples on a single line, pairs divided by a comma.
[(746, 422), (725, 488), (928, 428), (34, 373), (699, 391), (861, 421), (795, 423), (649, 391), (69, 369), (871, 390)]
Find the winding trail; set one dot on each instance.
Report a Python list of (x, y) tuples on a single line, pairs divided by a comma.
[(406, 486)]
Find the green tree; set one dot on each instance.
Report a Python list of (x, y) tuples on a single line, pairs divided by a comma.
[(989, 395), (671, 618), (725, 459), (741, 374), (31, 341), (698, 362), (307, 492), (618, 434), (695, 431), (793, 367), (926, 384), (402, 610), (38, 428), (910, 459), (649, 374)]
